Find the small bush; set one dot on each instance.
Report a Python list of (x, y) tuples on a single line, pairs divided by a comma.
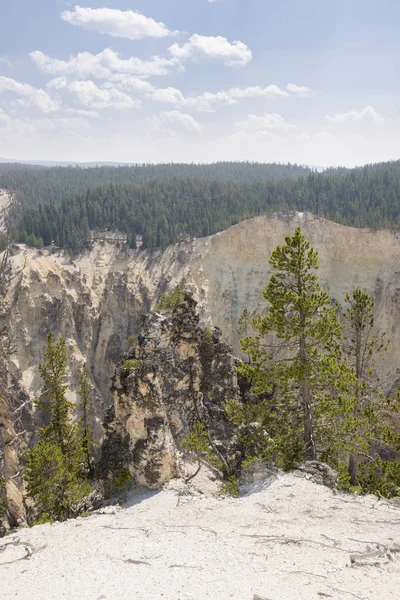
[(207, 335), (123, 479), (197, 443), (129, 365), (230, 487), (170, 300), (132, 339)]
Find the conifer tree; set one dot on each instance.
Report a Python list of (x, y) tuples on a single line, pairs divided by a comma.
[(295, 356), (53, 399), (375, 417), (55, 467)]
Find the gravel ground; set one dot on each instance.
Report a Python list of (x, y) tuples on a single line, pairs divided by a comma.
[(288, 540)]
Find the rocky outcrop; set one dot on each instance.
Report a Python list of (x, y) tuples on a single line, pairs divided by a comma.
[(11, 447), (177, 374)]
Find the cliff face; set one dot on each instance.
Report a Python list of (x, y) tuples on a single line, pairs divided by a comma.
[(176, 375), (97, 301)]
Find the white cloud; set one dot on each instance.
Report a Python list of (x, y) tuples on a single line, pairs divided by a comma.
[(67, 123), (209, 102), (59, 83), (28, 95), (263, 125), (298, 90), (367, 114), (104, 64), (82, 112), (173, 118), (5, 61), (4, 118), (131, 82), (14, 126), (92, 96), (117, 23), (232, 54)]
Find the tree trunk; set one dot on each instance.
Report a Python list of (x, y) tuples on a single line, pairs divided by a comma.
[(306, 401), (353, 459), (353, 469)]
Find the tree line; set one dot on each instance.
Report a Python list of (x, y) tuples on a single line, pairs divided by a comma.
[(167, 203)]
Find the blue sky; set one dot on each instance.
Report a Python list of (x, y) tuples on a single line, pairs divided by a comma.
[(308, 81)]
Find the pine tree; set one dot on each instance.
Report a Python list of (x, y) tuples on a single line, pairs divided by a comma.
[(53, 398), (55, 467), (374, 416), (295, 359)]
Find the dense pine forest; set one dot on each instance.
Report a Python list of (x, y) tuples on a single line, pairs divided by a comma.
[(166, 203)]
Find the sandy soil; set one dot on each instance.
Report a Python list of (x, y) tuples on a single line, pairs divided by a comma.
[(290, 540)]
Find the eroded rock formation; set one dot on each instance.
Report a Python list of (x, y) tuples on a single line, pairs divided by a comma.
[(176, 375)]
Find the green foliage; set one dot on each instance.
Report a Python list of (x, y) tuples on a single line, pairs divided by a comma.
[(132, 339), (123, 479), (53, 399), (54, 480), (295, 357), (170, 300), (314, 393), (373, 417), (197, 443), (130, 364), (230, 487), (165, 204), (380, 477), (252, 420), (56, 468), (161, 203), (206, 335)]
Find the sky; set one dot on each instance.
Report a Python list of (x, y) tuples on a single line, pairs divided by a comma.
[(308, 81)]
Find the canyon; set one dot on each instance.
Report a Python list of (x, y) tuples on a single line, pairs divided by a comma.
[(97, 300)]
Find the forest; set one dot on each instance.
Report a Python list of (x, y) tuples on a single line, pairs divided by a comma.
[(166, 204)]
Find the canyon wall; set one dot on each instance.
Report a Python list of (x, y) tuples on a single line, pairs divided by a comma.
[(97, 300)]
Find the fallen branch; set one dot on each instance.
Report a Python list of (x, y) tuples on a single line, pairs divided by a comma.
[(382, 551), (185, 567), (284, 540), (350, 594), (28, 547)]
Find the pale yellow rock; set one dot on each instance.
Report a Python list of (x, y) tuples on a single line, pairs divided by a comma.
[(96, 301)]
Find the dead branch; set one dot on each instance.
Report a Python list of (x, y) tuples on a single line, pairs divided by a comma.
[(187, 479), (133, 561), (185, 567), (27, 546), (350, 594), (307, 573), (284, 540)]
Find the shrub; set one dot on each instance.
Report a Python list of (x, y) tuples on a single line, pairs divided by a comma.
[(230, 487), (123, 479), (129, 365), (170, 300)]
